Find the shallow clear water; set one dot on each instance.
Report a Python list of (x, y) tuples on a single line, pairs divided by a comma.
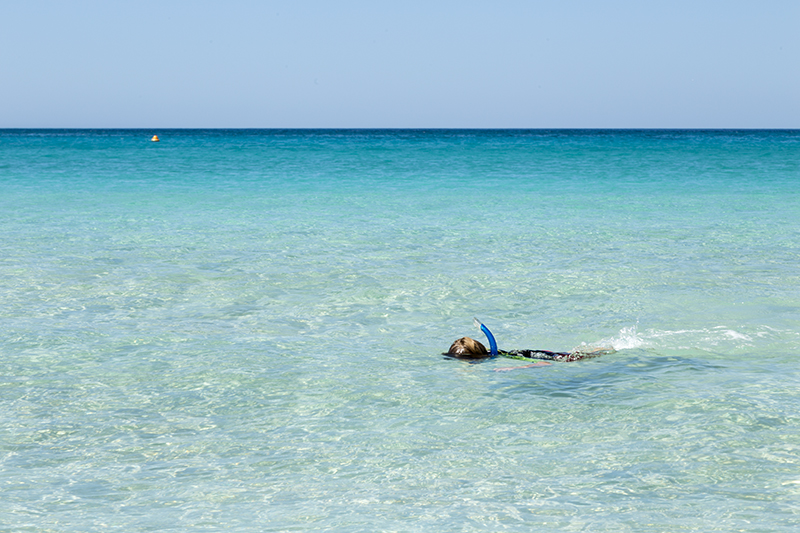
[(241, 330)]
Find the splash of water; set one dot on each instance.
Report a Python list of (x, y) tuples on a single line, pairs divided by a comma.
[(627, 339), (630, 338)]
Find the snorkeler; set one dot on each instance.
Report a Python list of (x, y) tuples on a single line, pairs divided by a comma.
[(467, 348)]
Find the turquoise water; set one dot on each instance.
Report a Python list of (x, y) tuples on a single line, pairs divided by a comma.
[(242, 330)]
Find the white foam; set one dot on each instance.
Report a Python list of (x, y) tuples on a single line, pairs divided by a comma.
[(631, 338), (627, 339), (735, 335)]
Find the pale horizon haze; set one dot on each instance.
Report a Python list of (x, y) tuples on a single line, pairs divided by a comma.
[(412, 64)]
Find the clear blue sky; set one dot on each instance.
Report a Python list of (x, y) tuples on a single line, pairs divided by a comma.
[(447, 64)]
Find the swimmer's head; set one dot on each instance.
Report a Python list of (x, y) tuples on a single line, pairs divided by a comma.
[(466, 348)]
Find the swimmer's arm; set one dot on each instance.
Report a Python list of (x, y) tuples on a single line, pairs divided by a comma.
[(506, 369)]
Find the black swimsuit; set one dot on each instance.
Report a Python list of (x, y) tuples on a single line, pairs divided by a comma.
[(544, 355)]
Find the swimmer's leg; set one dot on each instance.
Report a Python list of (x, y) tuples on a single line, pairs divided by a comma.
[(586, 353), (506, 369)]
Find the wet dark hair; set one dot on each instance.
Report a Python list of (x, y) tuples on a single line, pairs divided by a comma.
[(467, 348)]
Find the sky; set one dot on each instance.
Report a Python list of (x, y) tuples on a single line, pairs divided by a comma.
[(401, 64)]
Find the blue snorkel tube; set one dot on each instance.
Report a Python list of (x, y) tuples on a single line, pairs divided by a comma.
[(485, 330)]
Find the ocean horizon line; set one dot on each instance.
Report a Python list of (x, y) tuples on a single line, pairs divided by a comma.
[(438, 129)]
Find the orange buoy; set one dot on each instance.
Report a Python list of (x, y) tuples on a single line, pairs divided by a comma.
[(155, 138)]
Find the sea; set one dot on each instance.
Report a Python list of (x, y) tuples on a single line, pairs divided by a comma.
[(242, 330)]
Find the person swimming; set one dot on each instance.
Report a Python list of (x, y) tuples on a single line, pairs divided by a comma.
[(468, 348)]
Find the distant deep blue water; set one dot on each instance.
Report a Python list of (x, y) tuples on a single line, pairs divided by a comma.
[(241, 330)]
